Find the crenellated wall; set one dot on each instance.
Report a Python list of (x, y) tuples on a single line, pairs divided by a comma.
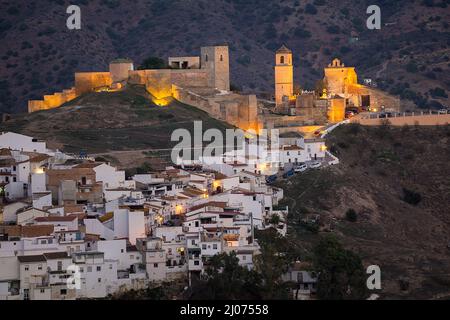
[(238, 110), (52, 101)]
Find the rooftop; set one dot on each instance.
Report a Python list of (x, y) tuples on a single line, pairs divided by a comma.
[(284, 49)]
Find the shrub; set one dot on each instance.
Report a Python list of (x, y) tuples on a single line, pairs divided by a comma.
[(275, 219), (310, 9), (333, 29), (13, 11), (411, 197), (153, 63), (411, 67), (354, 128), (351, 215), (244, 60), (302, 33), (438, 92)]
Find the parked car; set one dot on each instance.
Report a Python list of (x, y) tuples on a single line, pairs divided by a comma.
[(288, 174), (300, 168), (271, 178), (349, 114), (443, 111), (315, 164), (355, 110)]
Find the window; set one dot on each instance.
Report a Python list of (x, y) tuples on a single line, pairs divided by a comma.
[(99, 268), (42, 290), (14, 168), (244, 257), (282, 59), (221, 57), (214, 245), (196, 263), (193, 242), (81, 269), (206, 57), (59, 265), (131, 256), (89, 269), (27, 268), (110, 267), (99, 280), (14, 179), (63, 291), (155, 265), (121, 250), (204, 246)]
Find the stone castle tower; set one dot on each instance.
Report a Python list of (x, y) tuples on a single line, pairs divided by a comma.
[(216, 60), (284, 74)]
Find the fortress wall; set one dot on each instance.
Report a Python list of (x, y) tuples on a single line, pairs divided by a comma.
[(158, 83), (88, 81), (189, 77), (137, 76), (336, 110), (378, 98), (421, 120), (70, 94), (119, 70), (230, 112), (195, 100), (180, 77), (36, 105), (52, 101), (248, 113), (238, 110)]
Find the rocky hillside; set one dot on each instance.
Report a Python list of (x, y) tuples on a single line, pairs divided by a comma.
[(388, 200), (408, 56), (124, 126)]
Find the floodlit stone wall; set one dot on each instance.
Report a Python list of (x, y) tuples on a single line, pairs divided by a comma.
[(90, 81), (119, 70), (336, 110), (52, 101), (238, 110)]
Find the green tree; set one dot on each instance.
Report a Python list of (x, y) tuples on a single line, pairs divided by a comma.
[(351, 215), (272, 263), (227, 280), (275, 219), (153, 63), (341, 273)]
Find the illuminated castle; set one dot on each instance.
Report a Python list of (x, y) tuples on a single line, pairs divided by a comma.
[(201, 81)]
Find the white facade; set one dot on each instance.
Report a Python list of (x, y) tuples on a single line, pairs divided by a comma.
[(15, 141)]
